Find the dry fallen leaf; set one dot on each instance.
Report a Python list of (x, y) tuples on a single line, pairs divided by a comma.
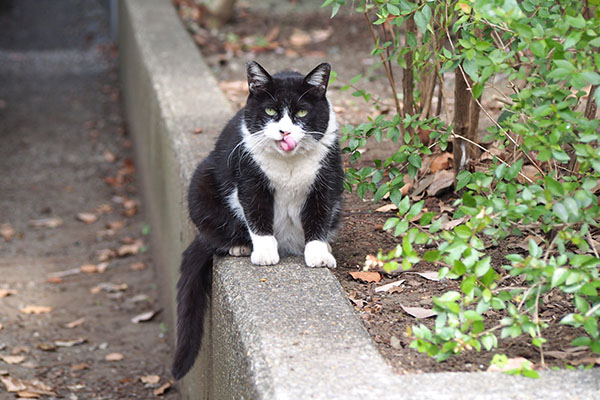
[(74, 324), (138, 266), (109, 287), (46, 222), (162, 389), (130, 249), (143, 317), (19, 349), (115, 225), (152, 379), (300, 38), (109, 156), (21, 385), (28, 395), (88, 268), (7, 292), (88, 218), (442, 180), (79, 367), (33, 309), (418, 312), (429, 275), (366, 276), (105, 254), (387, 208), (7, 231), (387, 287), (70, 343), (395, 342), (46, 346), (1, 326), (441, 162), (114, 357), (12, 359)]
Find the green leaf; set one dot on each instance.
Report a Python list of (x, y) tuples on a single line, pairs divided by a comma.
[(559, 276), (381, 191), (554, 186), (390, 223), (572, 39), (561, 212), (422, 18), (431, 255), (463, 231), (414, 160), (482, 266)]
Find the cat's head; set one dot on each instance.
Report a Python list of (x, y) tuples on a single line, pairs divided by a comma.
[(288, 112)]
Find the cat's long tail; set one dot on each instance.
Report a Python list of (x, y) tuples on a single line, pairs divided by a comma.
[(192, 302)]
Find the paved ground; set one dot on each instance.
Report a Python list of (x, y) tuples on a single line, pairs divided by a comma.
[(64, 150)]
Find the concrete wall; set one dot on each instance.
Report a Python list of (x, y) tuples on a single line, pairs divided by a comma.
[(279, 332)]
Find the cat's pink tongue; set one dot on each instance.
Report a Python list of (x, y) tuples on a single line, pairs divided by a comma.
[(287, 143)]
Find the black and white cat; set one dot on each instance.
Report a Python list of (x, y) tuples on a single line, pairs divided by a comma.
[(271, 187)]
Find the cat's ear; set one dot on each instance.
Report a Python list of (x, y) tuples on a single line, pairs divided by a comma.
[(319, 77), (258, 77)]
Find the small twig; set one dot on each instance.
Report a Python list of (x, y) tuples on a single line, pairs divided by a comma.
[(487, 151), (592, 310), (385, 65), (591, 243)]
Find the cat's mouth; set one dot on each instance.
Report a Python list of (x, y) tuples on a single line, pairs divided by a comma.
[(287, 144)]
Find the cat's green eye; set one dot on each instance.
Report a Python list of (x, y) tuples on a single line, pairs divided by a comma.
[(301, 113), (270, 111)]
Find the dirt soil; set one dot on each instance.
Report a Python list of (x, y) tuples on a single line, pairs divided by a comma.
[(299, 36), (74, 256)]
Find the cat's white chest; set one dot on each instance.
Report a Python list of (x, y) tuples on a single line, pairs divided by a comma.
[(291, 180)]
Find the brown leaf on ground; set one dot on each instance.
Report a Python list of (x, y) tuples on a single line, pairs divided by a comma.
[(54, 279), (388, 286), (442, 162), (115, 225), (88, 269), (1, 326), (71, 342), (450, 224), (75, 324), (129, 208), (366, 276), (512, 363), (12, 359), (159, 391), (530, 172), (28, 395), (109, 156), (387, 208), (52, 222), (144, 317), (33, 309), (7, 231), (109, 287), (151, 379), (114, 357), (19, 349), (46, 346), (87, 218), (79, 367), (7, 292), (300, 38), (21, 385), (442, 180), (429, 275), (138, 266), (130, 249), (105, 254), (418, 312)]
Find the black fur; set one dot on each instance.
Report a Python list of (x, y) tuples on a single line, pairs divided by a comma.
[(232, 166)]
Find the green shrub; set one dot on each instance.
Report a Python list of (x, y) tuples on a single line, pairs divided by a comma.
[(547, 52)]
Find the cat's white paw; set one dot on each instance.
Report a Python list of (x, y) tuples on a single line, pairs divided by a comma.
[(240, 251), (264, 250), (317, 254)]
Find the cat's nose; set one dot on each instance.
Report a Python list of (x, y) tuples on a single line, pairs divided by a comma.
[(284, 133)]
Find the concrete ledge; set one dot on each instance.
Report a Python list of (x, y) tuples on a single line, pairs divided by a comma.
[(281, 332)]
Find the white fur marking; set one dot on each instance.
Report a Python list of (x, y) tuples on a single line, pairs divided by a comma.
[(317, 254), (240, 251), (264, 250)]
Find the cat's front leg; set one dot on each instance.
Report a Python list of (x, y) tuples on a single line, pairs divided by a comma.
[(256, 200), (317, 253), (264, 250)]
